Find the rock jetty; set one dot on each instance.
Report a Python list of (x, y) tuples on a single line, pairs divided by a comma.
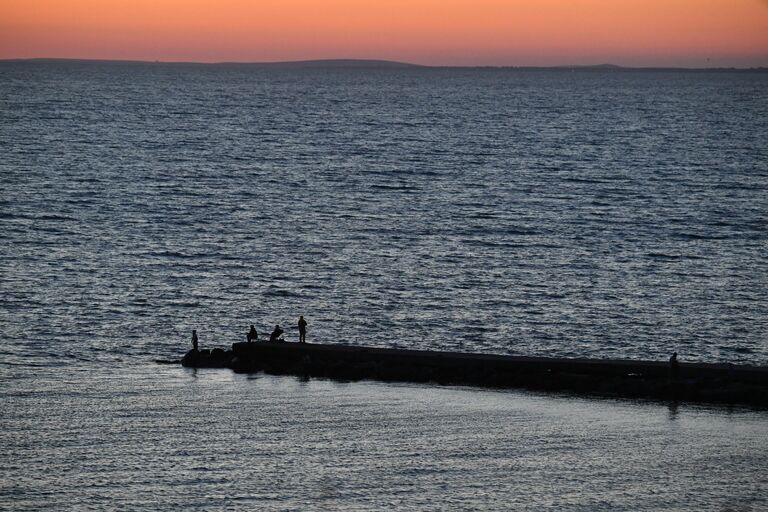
[(696, 382)]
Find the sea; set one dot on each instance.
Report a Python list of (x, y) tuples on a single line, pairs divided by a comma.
[(581, 213)]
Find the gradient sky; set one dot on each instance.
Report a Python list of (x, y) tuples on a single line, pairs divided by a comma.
[(693, 33)]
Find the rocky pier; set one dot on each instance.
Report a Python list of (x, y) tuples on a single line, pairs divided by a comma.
[(694, 382)]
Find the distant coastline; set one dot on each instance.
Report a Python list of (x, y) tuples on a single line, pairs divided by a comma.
[(374, 64)]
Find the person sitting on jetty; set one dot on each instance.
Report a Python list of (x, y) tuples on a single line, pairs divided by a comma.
[(194, 340), (275, 336), (252, 335), (302, 329)]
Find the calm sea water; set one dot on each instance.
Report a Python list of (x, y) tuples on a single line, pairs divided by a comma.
[(577, 214)]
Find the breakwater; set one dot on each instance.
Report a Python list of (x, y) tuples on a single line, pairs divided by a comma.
[(698, 382)]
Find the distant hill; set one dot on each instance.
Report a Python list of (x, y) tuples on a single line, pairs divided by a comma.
[(333, 63), (596, 66), (375, 64), (298, 64)]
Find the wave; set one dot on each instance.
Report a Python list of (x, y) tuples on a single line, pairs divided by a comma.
[(401, 187), (175, 254), (738, 350), (279, 292), (50, 217), (699, 236)]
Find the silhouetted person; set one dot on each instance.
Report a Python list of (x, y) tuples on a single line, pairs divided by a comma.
[(276, 334), (674, 367), (252, 335), (302, 330), (194, 340)]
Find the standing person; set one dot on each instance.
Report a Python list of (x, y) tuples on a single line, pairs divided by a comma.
[(302, 330), (194, 340), (252, 335)]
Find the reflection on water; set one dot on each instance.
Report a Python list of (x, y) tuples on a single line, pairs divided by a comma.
[(160, 436), (673, 408)]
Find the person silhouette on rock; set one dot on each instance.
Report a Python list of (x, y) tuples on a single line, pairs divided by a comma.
[(194, 340), (302, 330), (276, 334), (674, 366), (252, 335)]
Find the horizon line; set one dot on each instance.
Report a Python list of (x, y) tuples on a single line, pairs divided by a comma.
[(360, 63)]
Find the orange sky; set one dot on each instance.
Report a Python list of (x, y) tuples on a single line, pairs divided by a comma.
[(441, 32)]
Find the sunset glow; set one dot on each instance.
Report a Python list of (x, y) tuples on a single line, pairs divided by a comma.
[(695, 33)]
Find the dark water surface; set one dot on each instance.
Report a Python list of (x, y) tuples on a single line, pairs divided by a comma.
[(578, 214), (596, 214)]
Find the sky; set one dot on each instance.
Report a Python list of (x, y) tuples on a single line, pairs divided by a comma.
[(688, 33)]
